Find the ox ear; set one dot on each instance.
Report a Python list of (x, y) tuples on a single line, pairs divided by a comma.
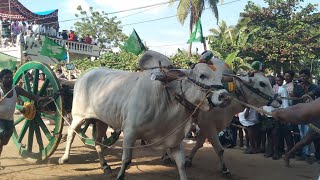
[(169, 76), (244, 79)]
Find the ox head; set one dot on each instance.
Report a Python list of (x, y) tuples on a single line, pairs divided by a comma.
[(257, 89), (201, 84)]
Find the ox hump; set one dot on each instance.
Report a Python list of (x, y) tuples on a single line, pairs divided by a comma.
[(153, 59)]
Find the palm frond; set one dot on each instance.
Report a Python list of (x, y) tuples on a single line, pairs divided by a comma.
[(183, 10), (214, 8)]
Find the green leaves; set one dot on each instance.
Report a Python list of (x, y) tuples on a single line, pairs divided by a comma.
[(286, 34), (99, 25)]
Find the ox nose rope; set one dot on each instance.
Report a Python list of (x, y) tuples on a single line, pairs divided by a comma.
[(311, 126), (135, 147)]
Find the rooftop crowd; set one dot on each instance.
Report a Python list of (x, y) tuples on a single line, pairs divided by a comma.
[(27, 32)]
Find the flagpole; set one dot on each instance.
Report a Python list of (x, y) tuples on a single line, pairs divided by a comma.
[(68, 61), (10, 21)]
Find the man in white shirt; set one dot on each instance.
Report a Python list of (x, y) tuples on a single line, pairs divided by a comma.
[(282, 130), (249, 119), (36, 28)]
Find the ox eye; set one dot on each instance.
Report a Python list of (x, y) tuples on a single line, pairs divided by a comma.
[(202, 76), (262, 84)]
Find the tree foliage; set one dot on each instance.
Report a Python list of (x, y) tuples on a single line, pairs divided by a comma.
[(98, 24), (228, 42), (129, 61), (288, 36)]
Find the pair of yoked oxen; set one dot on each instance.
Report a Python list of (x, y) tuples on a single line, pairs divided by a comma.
[(155, 103)]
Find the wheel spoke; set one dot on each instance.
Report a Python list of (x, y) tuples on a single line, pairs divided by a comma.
[(35, 81), (84, 129), (24, 99), (94, 130), (44, 87), (19, 107), (23, 130), (19, 120), (27, 84), (38, 136), (30, 137), (44, 128)]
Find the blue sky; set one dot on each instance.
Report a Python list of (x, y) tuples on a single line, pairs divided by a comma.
[(164, 35)]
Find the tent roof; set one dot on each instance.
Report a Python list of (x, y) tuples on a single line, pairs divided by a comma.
[(16, 11)]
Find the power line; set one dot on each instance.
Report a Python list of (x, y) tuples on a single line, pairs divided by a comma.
[(142, 7), (167, 45), (115, 12), (138, 12), (167, 17)]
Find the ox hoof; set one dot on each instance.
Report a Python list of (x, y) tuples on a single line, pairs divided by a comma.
[(106, 169), (62, 161), (226, 172), (120, 177), (188, 163), (167, 160)]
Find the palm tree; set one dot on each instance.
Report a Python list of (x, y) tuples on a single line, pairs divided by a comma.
[(194, 8), (223, 33)]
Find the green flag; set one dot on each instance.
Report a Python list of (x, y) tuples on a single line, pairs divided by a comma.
[(134, 44), (7, 62), (52, 49), (196, 35)]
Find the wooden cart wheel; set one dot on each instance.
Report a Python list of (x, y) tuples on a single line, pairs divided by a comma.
[(88, 131), (35, 139)]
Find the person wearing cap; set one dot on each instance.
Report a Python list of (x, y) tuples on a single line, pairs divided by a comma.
[(206, 56), (257, 66)]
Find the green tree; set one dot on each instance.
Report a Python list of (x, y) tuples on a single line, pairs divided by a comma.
[(229, 42), (99, 25), (288, 37), (194, 8)]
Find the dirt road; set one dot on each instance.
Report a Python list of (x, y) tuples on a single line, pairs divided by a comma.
[(147, 165)]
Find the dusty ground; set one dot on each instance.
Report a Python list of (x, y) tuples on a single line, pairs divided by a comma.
[(147, 165)]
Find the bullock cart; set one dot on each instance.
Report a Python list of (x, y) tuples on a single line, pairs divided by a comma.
[(38, 131)]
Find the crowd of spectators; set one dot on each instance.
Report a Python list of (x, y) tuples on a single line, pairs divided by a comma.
[(26, 32), (264, 134)]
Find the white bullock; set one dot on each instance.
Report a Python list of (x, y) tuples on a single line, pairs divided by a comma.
[(144, 108), (254, 89)]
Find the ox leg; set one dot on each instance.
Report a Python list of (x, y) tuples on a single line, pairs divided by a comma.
[(128, 142), (75, 126), (214, 140), (101, 130), (177, 154), (199, 144)]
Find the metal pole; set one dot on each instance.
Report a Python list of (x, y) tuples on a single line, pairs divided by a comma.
[(10, 21), (68, 61)]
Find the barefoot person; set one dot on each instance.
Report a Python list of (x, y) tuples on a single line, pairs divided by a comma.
[(301, 114), (8, 100)]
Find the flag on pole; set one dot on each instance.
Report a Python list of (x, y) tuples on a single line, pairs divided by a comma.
[(196, 35), (134, 44), (52, 49)]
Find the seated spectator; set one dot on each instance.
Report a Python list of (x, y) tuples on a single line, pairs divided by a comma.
[(60, 74), (88, 39), (72, 36), (64, 35), (42, 79)]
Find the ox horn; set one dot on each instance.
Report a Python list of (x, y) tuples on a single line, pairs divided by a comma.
[(169, 76), (158, 76)]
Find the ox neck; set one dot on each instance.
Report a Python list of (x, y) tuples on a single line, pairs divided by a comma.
[(179, 95), (239, 93)]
